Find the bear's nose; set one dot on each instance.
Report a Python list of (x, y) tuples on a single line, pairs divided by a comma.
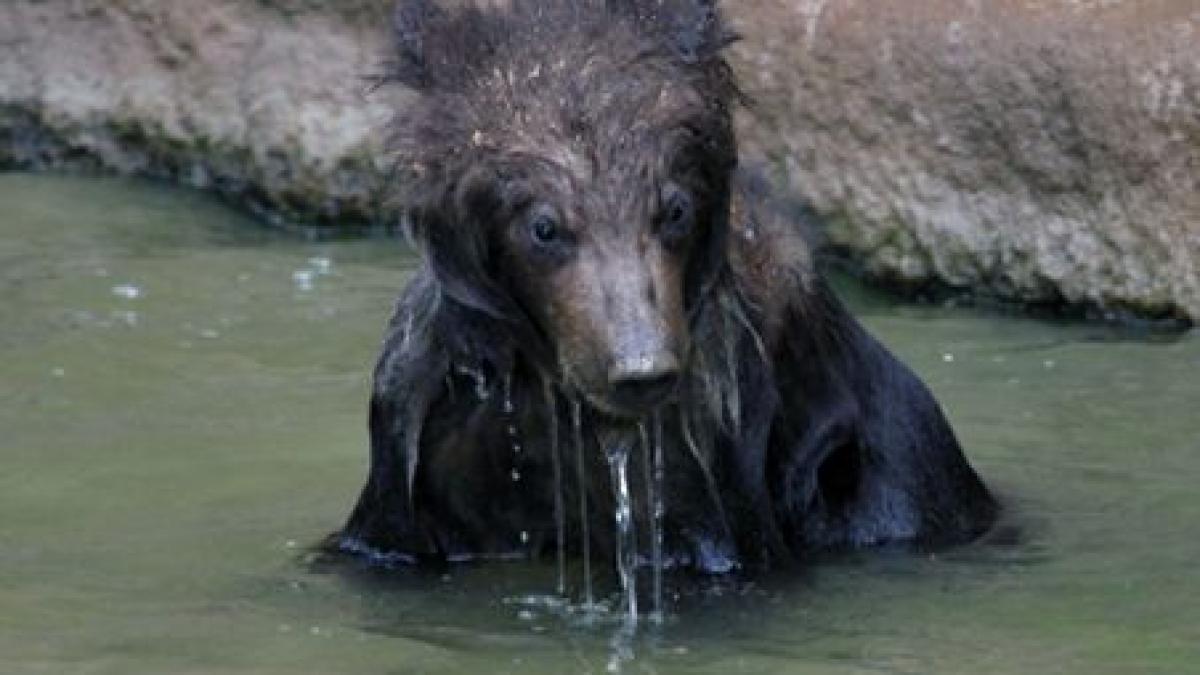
[(640, 383)]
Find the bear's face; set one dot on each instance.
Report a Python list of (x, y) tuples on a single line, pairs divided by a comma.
[(597, 251), (567, 176), (600, 262)]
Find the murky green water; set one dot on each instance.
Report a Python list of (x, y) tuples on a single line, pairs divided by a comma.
[(181, 412)]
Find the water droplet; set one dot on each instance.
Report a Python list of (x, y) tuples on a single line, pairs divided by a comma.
[(321, 264), (303, 279), (508, 406), (127, 291)]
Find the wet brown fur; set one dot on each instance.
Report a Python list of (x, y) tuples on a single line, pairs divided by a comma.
[(790, 430)]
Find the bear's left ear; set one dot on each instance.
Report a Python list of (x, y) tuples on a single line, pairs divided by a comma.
[(692, 28)]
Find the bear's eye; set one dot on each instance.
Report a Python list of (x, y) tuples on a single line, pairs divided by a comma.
[(546, 236), (678, 215), (544, 229)]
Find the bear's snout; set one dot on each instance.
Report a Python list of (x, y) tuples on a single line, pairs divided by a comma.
[(639, 382)]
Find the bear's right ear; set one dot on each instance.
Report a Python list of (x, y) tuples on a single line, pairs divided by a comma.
[(692, 28), (412, 24), (448, 221)]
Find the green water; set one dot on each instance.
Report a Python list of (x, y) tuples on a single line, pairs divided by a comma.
[(182, 401)]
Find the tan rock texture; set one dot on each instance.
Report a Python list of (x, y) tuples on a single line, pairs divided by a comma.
[(1044, 151), (265, 102)]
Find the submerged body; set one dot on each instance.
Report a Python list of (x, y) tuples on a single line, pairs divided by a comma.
[(596, 267)]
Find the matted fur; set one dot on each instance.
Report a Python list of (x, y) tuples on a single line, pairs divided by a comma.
[(792, 430)]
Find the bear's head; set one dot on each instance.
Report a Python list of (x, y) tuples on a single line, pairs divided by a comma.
[(566, 174)]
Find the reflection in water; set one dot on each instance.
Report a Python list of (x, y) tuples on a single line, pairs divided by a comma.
[(163, 470), (621, 644)]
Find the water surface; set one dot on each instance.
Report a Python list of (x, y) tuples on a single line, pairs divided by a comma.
[(182, 403)]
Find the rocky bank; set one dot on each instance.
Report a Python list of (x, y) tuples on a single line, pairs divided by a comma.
[(265, 102), (1046, 151), (1043, 151)]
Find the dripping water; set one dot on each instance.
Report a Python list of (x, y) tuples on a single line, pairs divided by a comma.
[(580, 460), (652, 465), (621, 647), (514, 439), (618, 462), (514, 436), (660, 513), (560, 520)]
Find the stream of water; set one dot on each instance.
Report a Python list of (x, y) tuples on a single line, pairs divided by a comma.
[(182, 412), (585, 542), (626, 535), (653, 470)]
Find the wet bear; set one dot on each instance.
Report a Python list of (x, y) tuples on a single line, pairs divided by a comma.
[(601, 278)]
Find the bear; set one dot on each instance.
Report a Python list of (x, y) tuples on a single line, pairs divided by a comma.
[(601, 272)]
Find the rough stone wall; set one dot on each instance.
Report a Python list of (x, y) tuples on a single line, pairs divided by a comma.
[(263, 101), (1044, 151), (1034, 150)]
